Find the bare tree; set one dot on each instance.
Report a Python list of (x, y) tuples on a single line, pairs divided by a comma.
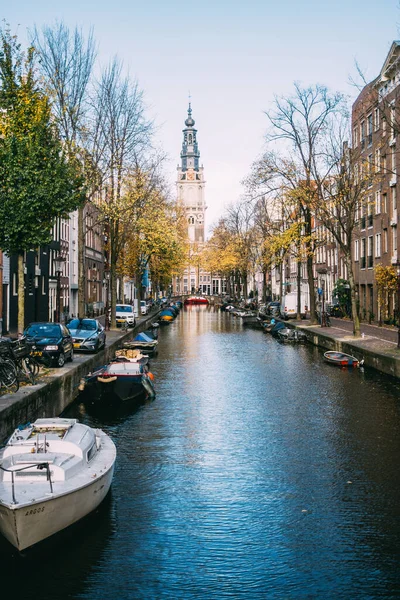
[(125, 133), (300, 123), (67, 61)]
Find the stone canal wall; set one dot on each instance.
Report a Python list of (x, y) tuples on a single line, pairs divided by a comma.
[(380, 356), (50, 397)]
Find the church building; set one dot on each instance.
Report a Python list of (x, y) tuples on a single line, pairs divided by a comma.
[(190, 193)]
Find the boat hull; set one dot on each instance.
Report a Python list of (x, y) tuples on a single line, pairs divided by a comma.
[(26, 525), (196, 300), (117, 389)]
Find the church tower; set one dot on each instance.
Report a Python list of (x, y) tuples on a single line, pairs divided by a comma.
[(190, 182)]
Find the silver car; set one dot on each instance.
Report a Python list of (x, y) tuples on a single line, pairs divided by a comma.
[(88, 335)]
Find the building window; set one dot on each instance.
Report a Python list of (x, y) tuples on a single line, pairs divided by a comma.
[(377, 160), (394, 240), (384, 203), (385, 240), (362, 135), (376, 118), (377, 202), (355, 137), (378, 241), (356, 250), (370, 251), (369, 126), (394, 200), (362, 256)]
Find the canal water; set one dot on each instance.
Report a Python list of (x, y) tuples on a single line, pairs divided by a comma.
[(258, 471)]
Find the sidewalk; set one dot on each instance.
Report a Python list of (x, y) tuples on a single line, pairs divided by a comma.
[(377, 346)]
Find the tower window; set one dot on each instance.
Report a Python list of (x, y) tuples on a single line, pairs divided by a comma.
[(191, 220), (190, 138)]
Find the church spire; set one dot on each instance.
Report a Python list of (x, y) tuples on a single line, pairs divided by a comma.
[(190, 154)]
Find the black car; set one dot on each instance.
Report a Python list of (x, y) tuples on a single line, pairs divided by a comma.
[(88, 335), (52, 342)]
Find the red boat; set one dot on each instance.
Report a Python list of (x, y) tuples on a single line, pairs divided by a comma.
[(341, 359), (196, 300)]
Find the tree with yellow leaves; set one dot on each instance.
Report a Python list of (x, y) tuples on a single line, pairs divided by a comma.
[(39, 182), (386, 282)]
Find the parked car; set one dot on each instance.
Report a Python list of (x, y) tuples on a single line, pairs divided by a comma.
[(52, 342), (88, 335), (273, 308), (144, 307), (125, 313)]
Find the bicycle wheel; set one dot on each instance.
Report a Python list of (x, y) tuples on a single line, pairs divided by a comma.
[(33, 365), (28, 369), (8, 375)]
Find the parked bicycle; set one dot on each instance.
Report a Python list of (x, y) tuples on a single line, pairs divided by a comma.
[(19, 352), (324, 319), (8, 375)]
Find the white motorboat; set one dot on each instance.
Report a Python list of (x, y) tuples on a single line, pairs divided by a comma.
[(53, 472)]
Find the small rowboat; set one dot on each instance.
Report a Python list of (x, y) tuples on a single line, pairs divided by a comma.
[(341, 359)]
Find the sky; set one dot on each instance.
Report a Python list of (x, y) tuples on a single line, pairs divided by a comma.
[(234, 57)]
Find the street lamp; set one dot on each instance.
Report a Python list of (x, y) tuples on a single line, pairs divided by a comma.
[(58, 263), (106, 283), (398, 303)]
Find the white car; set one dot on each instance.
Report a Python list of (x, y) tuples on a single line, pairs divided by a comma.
[(124, 313), (144, 308)]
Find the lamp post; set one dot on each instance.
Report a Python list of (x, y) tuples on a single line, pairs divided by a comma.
[(58, 263), (398, 303), (106, 283)]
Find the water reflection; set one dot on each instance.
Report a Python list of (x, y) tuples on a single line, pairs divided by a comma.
[(259, 471)]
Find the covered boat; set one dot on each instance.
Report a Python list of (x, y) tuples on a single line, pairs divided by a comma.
[(52, 473), (196, 300), (166, 316), (143, 342), (292, 335), (341, 359), (119, 381)]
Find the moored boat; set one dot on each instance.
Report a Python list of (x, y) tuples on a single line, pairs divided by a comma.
[(196, 300), (292, 335), (341, 359), (119, 381), (144, 343), (53, 473)]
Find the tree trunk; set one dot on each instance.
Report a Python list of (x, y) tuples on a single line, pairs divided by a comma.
[(21, 294), (264, 286), (354, 308), (81, 264), (311, 288), (298, 316)]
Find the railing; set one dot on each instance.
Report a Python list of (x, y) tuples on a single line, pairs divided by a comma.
[(39, 466)]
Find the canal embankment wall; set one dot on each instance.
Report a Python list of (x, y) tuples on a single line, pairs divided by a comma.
[(375, 353), (50, 396)]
